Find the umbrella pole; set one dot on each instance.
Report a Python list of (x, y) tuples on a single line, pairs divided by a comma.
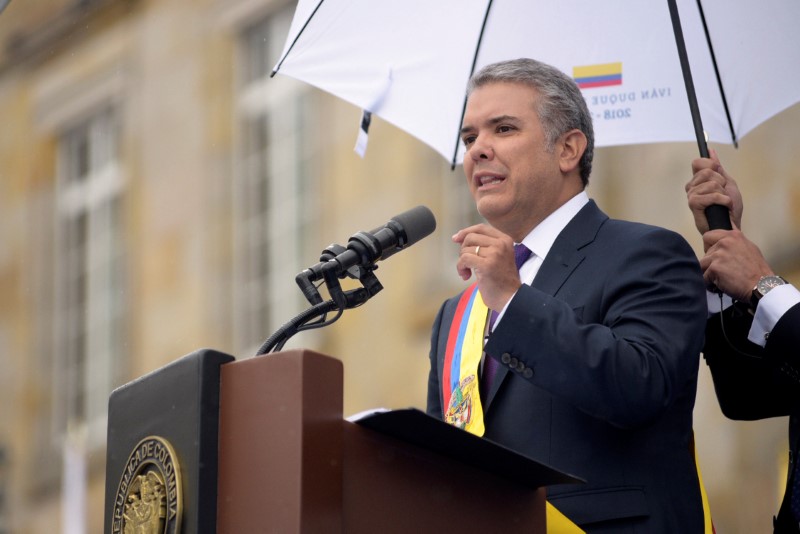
[(718, 217), (471, 72)]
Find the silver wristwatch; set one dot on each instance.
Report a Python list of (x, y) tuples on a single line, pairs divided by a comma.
[(763, 286)]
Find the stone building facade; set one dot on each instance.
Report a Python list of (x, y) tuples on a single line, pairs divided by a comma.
[(159, 192)]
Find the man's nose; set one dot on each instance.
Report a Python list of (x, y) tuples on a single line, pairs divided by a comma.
[(481, 149)]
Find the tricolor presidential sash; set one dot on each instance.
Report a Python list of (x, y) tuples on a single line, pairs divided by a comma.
[(460, 390)]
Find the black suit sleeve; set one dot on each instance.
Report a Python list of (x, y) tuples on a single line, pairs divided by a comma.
[(434, 404), (752, 382), (784, 340)]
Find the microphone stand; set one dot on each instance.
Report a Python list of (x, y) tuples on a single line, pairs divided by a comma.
[(340, 300)]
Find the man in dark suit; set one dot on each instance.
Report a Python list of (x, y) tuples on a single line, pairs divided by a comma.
[(753, 330), (597, 336)]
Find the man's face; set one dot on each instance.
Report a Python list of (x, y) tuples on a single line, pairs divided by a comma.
[(515, 180)]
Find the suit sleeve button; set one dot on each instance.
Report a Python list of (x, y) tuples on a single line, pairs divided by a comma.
[(528, 372), (513, 363), (505, 358)]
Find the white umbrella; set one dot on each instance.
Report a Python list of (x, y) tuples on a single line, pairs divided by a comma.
[(409, 61)]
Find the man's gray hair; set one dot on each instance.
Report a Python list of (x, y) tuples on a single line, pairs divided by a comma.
[(561, 106)]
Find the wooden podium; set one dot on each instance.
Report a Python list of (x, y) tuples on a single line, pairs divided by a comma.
[(287, 462)]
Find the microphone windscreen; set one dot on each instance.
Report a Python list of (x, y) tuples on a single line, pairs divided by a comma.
[(417, 223)]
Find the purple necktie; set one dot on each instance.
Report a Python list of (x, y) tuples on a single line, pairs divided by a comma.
[(521, 255)]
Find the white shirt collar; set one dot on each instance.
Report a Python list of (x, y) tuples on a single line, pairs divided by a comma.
[(542, 237)]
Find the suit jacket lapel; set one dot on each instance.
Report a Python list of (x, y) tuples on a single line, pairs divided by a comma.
[(562, 259), (567, 250)]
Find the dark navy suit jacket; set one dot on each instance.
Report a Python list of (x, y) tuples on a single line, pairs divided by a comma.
[(602, 353), (756, 383)]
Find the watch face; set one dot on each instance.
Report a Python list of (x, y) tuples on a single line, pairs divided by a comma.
[(768, 282)]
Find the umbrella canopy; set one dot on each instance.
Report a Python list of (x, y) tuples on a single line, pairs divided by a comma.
[(408, 62)]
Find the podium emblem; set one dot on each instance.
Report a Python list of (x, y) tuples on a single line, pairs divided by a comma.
[(148, 498)]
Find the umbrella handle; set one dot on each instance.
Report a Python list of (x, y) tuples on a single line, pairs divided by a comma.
[(718, 218)]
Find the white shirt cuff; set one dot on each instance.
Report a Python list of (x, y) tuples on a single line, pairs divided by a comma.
[(770, 309)]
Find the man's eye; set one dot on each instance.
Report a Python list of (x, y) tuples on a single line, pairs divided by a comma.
[(468, 140), (503, 129)]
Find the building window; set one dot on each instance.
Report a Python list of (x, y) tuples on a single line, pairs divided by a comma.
[(274, 202), (91, 292)]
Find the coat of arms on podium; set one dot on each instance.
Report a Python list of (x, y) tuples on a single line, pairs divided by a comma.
[(148, 499)]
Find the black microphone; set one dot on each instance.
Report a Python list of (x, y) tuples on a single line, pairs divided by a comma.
[(402, 231), (364, 249)]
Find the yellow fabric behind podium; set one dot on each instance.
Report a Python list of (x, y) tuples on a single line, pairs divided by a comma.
[(557, 523)]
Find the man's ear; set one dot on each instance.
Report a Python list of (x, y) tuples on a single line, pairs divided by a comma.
[(572, 146)]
